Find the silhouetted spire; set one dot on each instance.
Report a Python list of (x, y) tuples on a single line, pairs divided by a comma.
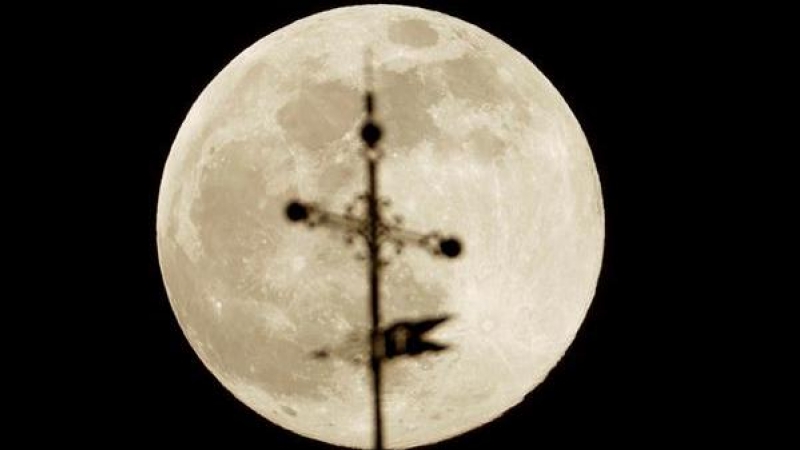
[(364, 218)]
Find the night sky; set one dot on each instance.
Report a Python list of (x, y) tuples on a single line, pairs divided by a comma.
[(633, 377)]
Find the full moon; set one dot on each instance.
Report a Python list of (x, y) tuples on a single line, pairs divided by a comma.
[(477, 143)]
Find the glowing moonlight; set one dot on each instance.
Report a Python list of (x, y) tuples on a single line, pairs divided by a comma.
[(478, 142)]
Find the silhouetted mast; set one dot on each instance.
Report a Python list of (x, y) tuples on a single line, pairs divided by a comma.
[(401, 338)]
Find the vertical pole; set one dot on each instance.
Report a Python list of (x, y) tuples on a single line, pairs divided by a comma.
[(374, 288), (373, 242)]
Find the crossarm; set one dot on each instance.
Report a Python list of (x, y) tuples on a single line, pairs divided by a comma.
[(433, 242)]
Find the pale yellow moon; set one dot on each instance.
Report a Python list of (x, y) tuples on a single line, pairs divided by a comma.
[(478, 143)]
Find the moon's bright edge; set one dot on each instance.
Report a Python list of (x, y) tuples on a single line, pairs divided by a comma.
[(478, 143)]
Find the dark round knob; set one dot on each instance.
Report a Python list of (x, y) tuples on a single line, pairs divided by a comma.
[(296, 212), (371, 133), (450, 247)]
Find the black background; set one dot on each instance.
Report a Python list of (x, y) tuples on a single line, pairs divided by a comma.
[(641, 84)]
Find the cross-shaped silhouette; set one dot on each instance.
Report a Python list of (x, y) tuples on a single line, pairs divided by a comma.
[(401, 338)]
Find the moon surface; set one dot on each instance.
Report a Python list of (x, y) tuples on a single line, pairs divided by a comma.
[(477, 143)]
